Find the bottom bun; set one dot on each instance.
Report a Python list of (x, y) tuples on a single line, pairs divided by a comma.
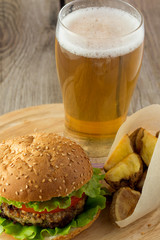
[(73, 232)]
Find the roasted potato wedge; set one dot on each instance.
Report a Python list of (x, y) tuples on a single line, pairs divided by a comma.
[(140, 184), (135, 138), (148, 144), (123, 203), (125, 173), (121, 151), (143, 143)]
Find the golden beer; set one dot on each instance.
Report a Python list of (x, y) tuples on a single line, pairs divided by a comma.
[(98, 59)]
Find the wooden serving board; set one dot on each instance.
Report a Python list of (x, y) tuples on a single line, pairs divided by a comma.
[(50, 118)]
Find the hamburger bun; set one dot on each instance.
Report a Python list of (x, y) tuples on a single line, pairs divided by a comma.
[(41, 166)]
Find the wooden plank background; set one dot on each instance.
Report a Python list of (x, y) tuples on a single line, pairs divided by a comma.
[(27, 63)]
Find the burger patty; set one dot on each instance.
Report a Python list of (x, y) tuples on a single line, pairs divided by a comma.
[(45, 220)]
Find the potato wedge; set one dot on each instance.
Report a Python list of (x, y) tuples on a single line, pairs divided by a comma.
[(121, 151), (136, 138), (148, 144), (123, 203), (143, 143), (125, 173), (140, 184)]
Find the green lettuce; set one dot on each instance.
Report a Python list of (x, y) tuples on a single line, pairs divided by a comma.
[(94, 203), (91, 189)]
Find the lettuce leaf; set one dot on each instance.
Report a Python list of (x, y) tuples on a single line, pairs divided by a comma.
[(91, 189), (36, 233)]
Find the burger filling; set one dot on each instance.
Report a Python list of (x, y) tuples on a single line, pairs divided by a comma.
[(55, 218)]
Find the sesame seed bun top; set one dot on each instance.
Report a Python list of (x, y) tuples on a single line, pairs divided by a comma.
[(41, 166)]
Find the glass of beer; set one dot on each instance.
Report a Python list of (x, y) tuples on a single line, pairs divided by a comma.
[(99, 49)]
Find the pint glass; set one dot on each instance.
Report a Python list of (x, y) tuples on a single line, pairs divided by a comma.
[(99, 48)]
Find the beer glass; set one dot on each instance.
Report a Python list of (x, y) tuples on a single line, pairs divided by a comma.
[(99, 49)]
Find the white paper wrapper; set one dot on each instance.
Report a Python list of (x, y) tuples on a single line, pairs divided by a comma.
[(148, 118)]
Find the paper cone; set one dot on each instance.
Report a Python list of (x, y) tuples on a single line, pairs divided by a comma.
[(149, 119)]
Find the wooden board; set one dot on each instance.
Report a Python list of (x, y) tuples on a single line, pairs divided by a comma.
[(50, 118)]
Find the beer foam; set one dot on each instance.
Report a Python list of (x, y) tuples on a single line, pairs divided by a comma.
[(100, 32)]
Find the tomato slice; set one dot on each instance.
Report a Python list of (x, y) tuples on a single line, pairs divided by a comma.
[(74, 201)]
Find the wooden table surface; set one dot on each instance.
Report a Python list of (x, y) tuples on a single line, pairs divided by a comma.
[(27, 62)]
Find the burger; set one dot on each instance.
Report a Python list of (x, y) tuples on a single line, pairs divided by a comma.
[(48, 189)]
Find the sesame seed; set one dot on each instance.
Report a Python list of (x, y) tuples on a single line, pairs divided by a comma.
[(40, 197), (63, 154), (64, 181), (66, 189), (70, 164), (3, 190), (56, 166), (41, 155), (21, 190), (60, 187), (26, 186), (36, 186), (50, 180), (25, 154), (11, 165), (26, 176), (7, 184), (73, 183), (2, 178), (55, 179), (17, 193), (43, 180), (40, 190), (47, 147)]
